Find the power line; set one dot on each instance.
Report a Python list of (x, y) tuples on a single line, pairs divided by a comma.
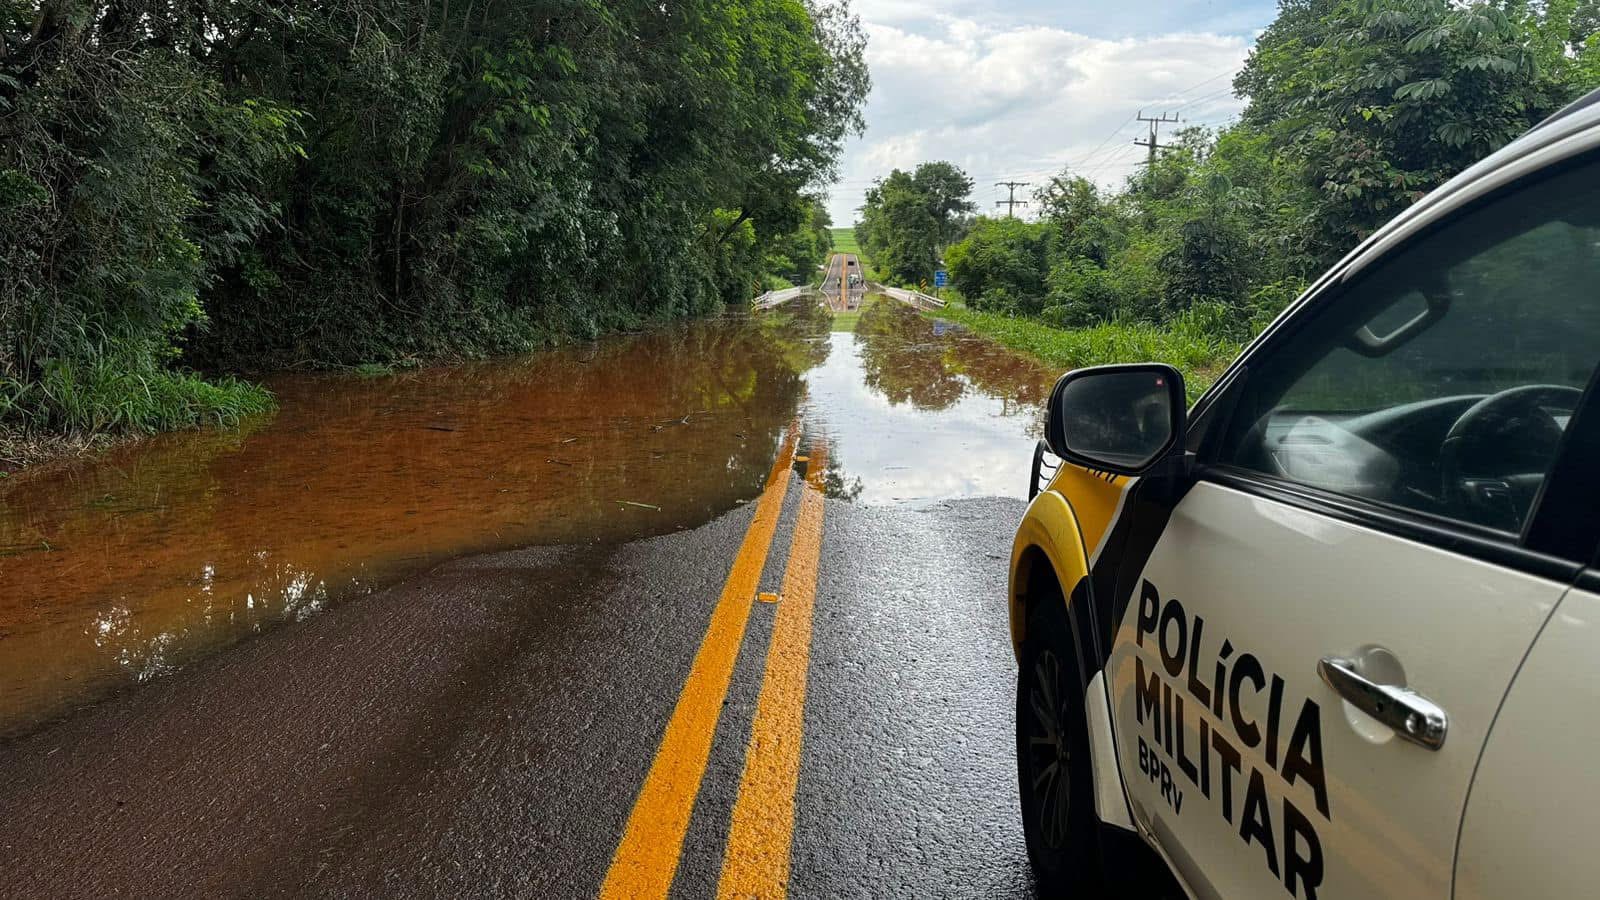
[(1097, 158), (1109, 161), (1211, 96), (1091, 154), (980, 175), (1206, 82), (1085, 159), (1082, 164)]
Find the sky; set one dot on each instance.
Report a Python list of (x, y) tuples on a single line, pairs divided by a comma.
[(1014, 91)]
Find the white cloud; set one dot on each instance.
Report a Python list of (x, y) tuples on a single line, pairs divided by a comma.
[(1019, 99)]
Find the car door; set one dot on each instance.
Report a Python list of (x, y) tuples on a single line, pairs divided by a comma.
[(1331, 610), (1531, 820)]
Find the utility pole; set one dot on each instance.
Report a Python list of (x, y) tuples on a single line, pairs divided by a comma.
[(1011, 202), (1155, 125)]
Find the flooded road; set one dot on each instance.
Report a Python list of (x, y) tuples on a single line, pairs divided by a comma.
[(127, 568), (707, 611), (919, 411)]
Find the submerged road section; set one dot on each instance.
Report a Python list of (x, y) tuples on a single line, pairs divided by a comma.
[(781, 670)]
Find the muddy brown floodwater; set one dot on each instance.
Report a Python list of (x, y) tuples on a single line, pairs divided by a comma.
[(116, 571)]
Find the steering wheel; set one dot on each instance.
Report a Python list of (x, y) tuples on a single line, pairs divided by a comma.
[(1494, 457)]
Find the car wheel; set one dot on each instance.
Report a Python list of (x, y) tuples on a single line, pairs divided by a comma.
[(1053, 774)]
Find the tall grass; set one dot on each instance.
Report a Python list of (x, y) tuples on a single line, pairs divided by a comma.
[(1190, 342), (102, 395)]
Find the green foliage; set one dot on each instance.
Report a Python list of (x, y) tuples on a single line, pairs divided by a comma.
[(796, 257), (241, 184), (1002, 264), (1186, 342), (1356, 108), (1380, 101), (101, 394), (910, 217), (1210, 260)]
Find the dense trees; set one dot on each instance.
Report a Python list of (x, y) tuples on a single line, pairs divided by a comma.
[(910, 217), (1356, 108), (797, 256), (253, 183)]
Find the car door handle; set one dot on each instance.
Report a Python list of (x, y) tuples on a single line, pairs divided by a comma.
[(1411, 715)]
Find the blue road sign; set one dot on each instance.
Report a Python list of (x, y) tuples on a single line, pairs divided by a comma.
[(941, 278)]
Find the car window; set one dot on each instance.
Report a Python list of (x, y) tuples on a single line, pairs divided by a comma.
[(1442, 379)]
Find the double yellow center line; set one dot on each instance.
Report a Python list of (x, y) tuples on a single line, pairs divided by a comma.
[(756, 860)]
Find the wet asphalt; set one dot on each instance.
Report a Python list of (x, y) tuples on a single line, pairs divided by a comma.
[(483, 730)]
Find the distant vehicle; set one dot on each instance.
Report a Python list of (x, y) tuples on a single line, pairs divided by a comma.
[(1331, 632)]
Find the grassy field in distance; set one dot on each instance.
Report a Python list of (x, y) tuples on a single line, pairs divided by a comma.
[(844, 241)]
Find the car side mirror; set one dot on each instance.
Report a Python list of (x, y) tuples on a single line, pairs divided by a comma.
[(1121, 419)]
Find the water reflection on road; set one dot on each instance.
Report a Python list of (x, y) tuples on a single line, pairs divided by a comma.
[(119, 570), (920, 411)]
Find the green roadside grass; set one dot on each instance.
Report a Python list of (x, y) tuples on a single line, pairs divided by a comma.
[(1198, 354), (103, 396), (79, 409)]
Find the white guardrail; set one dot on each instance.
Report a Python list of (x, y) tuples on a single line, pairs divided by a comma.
[(775, 298), (915, 298)]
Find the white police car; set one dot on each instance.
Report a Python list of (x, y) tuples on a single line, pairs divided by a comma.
[(1334, 632)]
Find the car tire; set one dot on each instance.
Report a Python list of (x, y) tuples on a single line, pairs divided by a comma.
[(1054, 779)]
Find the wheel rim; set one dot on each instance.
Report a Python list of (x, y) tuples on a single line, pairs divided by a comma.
[(1049, 756)]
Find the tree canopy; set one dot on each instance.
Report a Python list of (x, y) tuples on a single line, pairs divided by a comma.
[(250, 183), (1355, 109), (910, 217)]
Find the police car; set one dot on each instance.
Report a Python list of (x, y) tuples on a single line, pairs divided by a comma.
[(1334, 631)]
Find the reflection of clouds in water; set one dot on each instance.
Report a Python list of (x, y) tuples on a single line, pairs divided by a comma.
[(977, 445)]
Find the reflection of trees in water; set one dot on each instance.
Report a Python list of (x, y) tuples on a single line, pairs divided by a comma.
[(135, 484), (799, 332), (903, 360), (908, 358), (836, 486), (686, 416), (146, 650)]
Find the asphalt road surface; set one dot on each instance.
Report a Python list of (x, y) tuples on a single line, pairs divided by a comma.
[(606, 719), (837, 291)]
